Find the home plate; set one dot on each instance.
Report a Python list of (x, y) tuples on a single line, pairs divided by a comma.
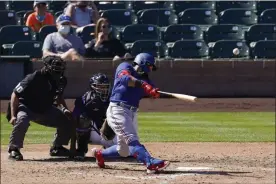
[(193, 168)]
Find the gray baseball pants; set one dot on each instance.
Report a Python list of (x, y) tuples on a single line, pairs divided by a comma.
[(51, 118)]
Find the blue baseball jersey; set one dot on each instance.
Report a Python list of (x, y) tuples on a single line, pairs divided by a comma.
[(121, 92)]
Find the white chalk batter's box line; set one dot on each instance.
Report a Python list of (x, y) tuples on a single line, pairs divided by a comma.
[(169, 176)]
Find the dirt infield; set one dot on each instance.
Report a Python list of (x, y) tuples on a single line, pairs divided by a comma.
[(190, 162), (203, 105)]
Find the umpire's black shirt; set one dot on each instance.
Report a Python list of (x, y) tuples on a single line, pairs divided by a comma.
[(36, 91)]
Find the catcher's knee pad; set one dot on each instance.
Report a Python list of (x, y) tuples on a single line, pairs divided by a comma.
[(123, 150)]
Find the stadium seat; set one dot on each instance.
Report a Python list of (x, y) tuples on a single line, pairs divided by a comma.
[(155, 47), (224, 49), (108, 5), (86, 33), (120, 18), (224, 32), (7, 18), (12, 34), (173, 33), (189, 49), (261, 32), (132, 33), (268, 16), (264, 5), (224, 5), (159, 17), (57, 5), (57, 14), (180, 6), (143, 5), (238, 16), (198, 16), (30, 48), (3, 5), (264, 49), (45, 30), (20, 5)]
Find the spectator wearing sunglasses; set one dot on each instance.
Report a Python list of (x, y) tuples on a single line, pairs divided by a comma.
[(104, 45), (40, 17)]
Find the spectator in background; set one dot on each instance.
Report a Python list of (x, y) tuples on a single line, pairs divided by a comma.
[(63, 43), (40, 17), (104, 45), (81, 14)]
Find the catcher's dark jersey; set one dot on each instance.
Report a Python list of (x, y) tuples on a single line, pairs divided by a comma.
[(37, 91), (91, 107)]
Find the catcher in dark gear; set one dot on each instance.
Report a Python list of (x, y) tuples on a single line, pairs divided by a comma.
[(33, 100), (90, 112)]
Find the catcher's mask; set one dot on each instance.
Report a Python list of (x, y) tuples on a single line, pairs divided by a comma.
[(101, 85), (55, 66), (146, 63)]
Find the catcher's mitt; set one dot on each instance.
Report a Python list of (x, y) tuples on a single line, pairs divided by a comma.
[(106, 132)]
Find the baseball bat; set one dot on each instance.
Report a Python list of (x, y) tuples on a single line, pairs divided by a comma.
[(180, 96)]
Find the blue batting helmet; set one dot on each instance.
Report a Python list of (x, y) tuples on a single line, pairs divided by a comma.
[(145, 61)]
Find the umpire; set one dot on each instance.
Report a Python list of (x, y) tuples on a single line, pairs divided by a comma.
[(33, 100)]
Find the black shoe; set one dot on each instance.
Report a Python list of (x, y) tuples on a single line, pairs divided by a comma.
[(59, 151), (14, 154), (80, 155)]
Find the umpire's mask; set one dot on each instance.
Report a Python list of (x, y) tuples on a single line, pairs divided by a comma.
[(55, 66)]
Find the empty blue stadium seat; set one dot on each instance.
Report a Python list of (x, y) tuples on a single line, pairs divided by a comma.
[(157, 48), (8, 17), (268, 16), (57, 5), (87, 33), (20, 5), (159, 17), (120, 17), (264, 49), (132, 33), (238, 16), (142, 5), (261, 32), (108, 5), (14, 33), (198, 16), (180, 6), (30, 48), (45, 30), (176, 32), (224, 49), (189, 49), (264, 5), (224, 5), (3, 5), (224, 32)]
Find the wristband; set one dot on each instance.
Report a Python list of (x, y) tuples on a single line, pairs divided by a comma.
[(138, 83)]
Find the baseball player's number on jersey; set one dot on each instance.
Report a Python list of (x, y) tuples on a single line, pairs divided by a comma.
[(19, 88)]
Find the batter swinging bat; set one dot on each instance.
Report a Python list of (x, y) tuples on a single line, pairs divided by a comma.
[(180, 96)]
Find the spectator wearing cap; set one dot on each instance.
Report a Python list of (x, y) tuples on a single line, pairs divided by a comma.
[(63, 41), (40, 17), (81, 14)]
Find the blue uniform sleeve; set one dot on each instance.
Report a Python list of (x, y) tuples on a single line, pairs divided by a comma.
[(124, 74)]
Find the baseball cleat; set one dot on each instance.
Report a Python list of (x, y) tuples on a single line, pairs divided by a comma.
[(99, 157), (154, 168), (15, 155)]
